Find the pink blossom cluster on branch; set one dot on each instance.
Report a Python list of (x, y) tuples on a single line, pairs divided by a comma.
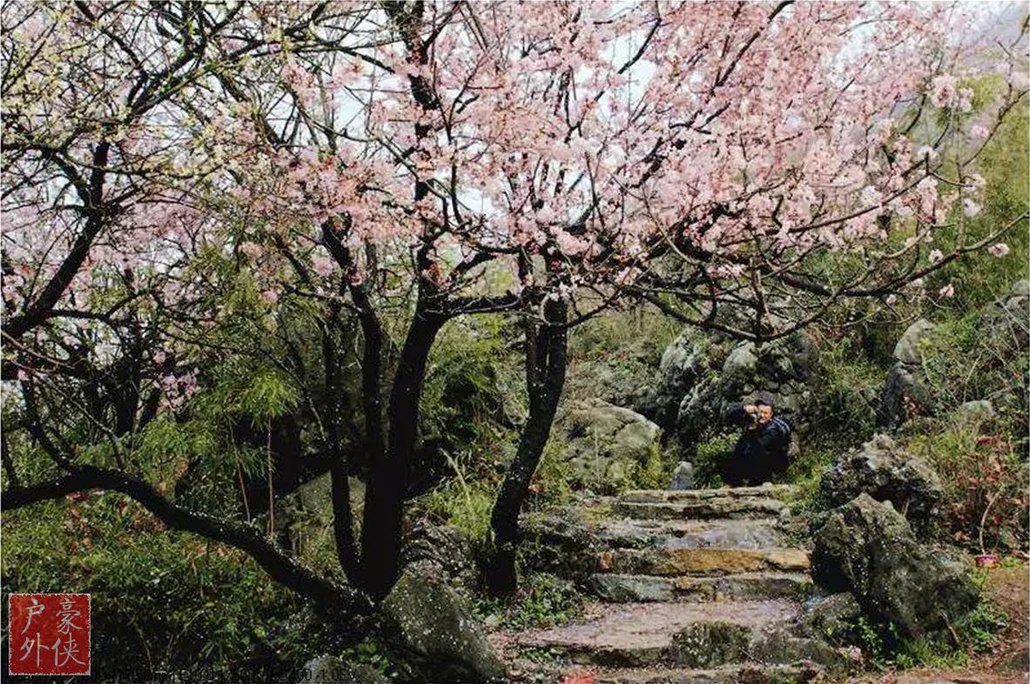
[(603, 136)]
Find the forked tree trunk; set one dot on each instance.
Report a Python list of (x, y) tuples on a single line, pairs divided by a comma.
[(546, 358), (388, 476)]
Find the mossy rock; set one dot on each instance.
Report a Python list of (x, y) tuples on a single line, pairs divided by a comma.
[(867, 548), (334, 670), (710, 644), (434, 633)]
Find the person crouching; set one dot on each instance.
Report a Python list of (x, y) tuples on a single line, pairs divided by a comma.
[(761, 452)]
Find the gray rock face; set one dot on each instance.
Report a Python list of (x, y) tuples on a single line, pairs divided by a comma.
[(703, 378), (905, 393), (907, 348), (832, 618), (973, 412), (333, 670), (776, 372), (783, 645), (435, 633), (447, 548), (562, 545), (683, 364), (682, 476), (1013, 307), (607, 444), (886, 473), (867, 548), (742, 360), (631, 588), (904, 396)]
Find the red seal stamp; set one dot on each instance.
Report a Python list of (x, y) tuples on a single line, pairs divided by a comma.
[(49, 634)]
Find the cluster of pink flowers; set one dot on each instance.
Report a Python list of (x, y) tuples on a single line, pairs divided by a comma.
[(594, 134)]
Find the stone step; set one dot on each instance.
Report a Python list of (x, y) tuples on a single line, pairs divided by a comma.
[(692, 534), (733, 674), (696, 635), (673, 495), (714, 507), (616, 588), (668, 562)]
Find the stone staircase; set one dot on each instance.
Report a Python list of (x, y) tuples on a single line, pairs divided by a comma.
[(692, 585)]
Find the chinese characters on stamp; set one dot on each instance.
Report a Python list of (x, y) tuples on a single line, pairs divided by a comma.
[(49, 634)]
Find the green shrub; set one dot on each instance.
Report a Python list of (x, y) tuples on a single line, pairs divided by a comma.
[(613, 357), (543, 600), (654, 473), (460, 502), (985, 497), (161, 601), (711, 451), (841, 414), (551, 482)]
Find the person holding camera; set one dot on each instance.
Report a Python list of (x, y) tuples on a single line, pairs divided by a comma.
[(762, 450)]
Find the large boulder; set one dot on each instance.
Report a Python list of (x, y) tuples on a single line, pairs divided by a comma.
[(607, 445), (973, 413), (833, 618), (886, 473), (685, 362), (433, 633), (682, 476), (1012, 309), (302, 516), (867, 548), (905, 393)]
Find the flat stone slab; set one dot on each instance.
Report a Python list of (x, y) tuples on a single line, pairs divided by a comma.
[(665, 495), (693, 534), (713, 507), (735, 674), (686, 561), (642, 634), (615, 588)]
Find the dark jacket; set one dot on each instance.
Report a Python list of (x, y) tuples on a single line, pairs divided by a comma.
[(760, 453)]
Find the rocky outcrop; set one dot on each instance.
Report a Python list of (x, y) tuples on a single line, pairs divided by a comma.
[(1012, 309), (886, 473), (868, 549), (607, 446), (832, 617), (434, 634), (905, 393), (907, 349), (685, 363), (702, 379)]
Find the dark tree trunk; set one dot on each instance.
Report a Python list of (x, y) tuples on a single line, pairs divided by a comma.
[(389, 475), (546, 352), (339, 469)]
